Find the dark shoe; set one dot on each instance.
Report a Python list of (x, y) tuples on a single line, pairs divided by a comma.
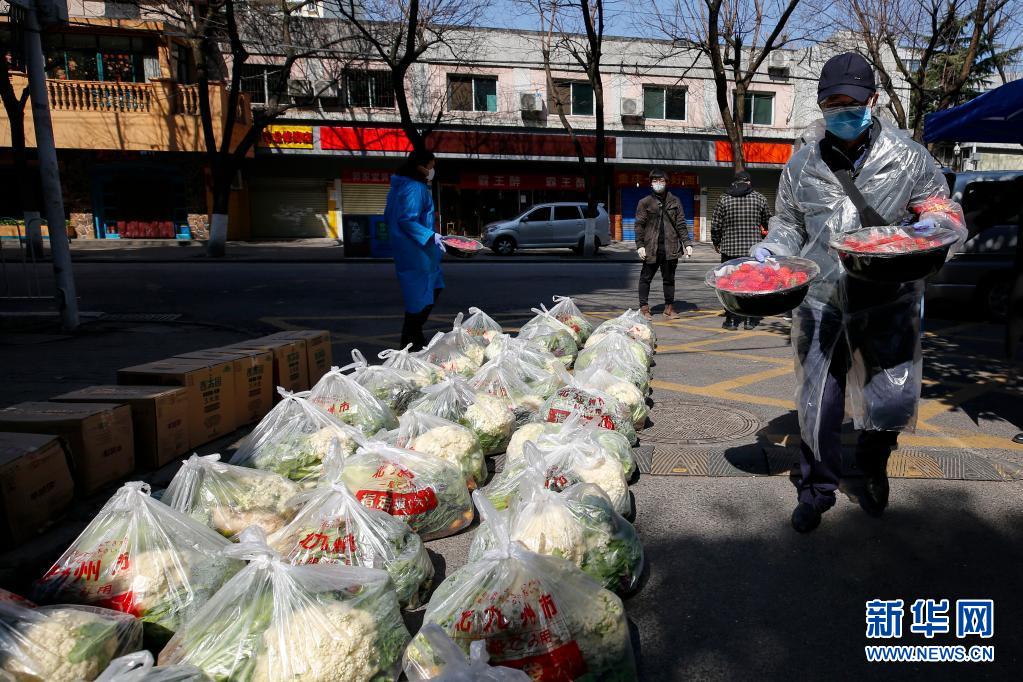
[(644, 310), (750, 324), (805, 517), (669, 312), (874, 495), (730, 322)]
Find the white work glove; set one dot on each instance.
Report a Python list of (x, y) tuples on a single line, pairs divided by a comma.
[(689, 252), (642, 252)]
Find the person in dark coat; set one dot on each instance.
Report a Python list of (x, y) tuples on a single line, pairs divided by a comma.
[(740, 221), (661, 237), (417, 248)]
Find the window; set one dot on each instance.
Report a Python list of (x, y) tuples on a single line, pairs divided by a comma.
[(99, 58), (759, 108), (666, 103), (182, 64), (576, 98), (539, 215), (567, 213), (364, 88), (264, 82), (472, 93)]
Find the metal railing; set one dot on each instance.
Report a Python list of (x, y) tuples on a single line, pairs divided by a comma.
[(68, 95)]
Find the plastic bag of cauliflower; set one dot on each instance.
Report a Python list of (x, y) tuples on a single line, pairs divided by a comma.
[(591, 405), (615, 343), (347, 401), (566, 464), (445, 439), (622, 389), (61, 643), (396, 388), (567, 312), (622, 365), (432, 655), (548, 436), (578, 523), (501, 378), (481, 326), (293, 438), (142, 557), (492, 419), (141, 667), (423, 373), (537, 613), (632, 324), (540, 370), (230, 498), (553, 336), (276, 622), (426, 492), (336, 528), (455, 352)]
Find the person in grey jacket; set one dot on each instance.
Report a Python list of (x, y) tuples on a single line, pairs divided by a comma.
[(661, 237)]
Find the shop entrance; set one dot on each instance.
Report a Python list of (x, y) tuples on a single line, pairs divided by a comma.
[(138, 202)]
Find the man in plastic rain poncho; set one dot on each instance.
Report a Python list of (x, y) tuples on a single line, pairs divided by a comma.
[(851, 336)]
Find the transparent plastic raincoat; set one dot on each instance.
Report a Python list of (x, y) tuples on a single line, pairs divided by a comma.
[(874, 330)]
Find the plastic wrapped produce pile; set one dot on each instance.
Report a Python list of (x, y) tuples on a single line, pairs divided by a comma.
[(293, 438), (626, 392), (395, 388), (549, 436), (230, 498), (455, 352), (492, 419), (591, 405), (423, 373), (141, 557), (553, 336), (615, 343), (434, 656), (534, 612), (274, 622), (632, 324), (567, 312), (500, 378), (346, 400), (445, 439), (481, 326)]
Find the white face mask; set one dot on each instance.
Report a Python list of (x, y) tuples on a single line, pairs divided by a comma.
[(658, 187), (429, 175)]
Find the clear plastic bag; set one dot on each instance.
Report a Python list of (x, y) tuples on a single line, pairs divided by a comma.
[(230, 498), (567, 312), (335, 528), (481, 326), (452, 442), (622, 365), (632, 324), (553, 336), (396, 388), (591, 405), (61, 643), (615, 343), (501, 378), (492, 419), (293, 438), (423, 373), (579, 524), (537, 613), (527, 352), (142, 557), (455, 352), (426, 492), (622, 389), (275, 622), (141, 667), (548, 436), (434, 656), (347, 401)]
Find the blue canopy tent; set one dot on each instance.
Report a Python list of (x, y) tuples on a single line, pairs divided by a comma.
[(995, 116)]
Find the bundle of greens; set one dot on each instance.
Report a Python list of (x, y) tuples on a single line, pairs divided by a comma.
[(422, 372), (141, 557), (445, 439), (230, 498), (293, 438), (275, 621), (347, 401), (537, 613)]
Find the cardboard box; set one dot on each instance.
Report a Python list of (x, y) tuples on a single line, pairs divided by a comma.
[(253, 380), (319, 356), (99, 436), (291, 369), (159, 418), (209, 385), (35, 484)]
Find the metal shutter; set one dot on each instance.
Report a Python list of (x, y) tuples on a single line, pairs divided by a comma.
[(359, 199), (289, 208)]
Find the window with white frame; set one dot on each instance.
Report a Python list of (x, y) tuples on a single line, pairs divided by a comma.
[(759, 108), (368, 88), (664, 102), (472, 93), (576, 98)]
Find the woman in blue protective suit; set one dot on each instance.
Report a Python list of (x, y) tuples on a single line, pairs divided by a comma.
[(417, 248), (852, 337)]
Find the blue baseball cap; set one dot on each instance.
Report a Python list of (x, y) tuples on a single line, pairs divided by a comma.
[(847, 74)]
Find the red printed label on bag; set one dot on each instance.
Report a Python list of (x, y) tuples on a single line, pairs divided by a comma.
[(563, 664), (399, 504)]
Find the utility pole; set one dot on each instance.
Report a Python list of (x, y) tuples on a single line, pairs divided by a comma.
[(49, 173)]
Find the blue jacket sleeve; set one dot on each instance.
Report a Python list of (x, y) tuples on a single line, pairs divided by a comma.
[(409, 210)]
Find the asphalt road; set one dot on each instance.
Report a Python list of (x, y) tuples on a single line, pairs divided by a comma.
[(732, 592)]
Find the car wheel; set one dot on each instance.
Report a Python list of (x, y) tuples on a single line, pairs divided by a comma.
[(578, 248), (996, 298), (504, 246)]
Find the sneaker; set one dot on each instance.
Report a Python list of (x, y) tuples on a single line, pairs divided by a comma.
[(749, 324), (669, 312), (644, 310), (805, 517), (730, 323)]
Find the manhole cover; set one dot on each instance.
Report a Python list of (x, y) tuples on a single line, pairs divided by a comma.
[(686, 422)]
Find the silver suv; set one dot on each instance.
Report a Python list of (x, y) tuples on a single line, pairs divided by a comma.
[(547, 226)]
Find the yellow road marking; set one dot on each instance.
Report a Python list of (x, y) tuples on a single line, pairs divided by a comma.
[(749, 379)]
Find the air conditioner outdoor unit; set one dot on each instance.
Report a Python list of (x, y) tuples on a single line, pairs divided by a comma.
[(530, 102), (325, 89), (632, 107), (779, 63), (300, 88)]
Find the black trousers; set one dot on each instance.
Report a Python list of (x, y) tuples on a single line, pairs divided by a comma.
[(412, 329), (646, 276), (730, 316)]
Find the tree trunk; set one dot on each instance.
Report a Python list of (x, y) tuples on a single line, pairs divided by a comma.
[(14, 105), (417, 139), (216, 247)]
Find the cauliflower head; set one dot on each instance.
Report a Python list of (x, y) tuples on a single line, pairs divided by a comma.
[(67, 645), (492, 420), (606, 473), (550, 529), (524, 434), (457, 445)]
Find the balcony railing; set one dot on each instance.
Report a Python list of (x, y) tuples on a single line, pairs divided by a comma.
[(187, 100), (68, 95)]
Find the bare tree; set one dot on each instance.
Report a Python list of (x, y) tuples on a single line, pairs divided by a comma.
[(14, 105), (875, 22), (737, 36)]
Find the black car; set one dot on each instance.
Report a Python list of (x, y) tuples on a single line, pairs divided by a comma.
[(980, 277)]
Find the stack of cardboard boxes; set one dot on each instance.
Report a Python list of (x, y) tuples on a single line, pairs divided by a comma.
[(83, 440)]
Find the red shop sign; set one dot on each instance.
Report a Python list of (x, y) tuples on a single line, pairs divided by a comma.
[(677, 179), (516, 181)]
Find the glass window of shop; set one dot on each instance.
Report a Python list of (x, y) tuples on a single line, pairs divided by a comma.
[(98, 58)]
